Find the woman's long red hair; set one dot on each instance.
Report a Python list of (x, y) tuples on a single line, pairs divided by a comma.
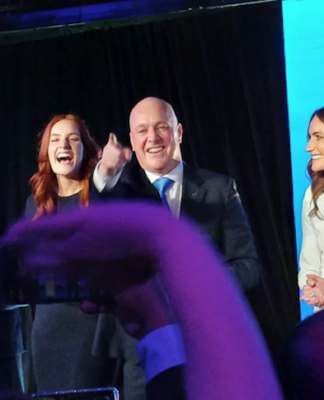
[(44, 182)]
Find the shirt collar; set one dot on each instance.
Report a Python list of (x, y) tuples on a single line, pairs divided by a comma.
[(176, 174)]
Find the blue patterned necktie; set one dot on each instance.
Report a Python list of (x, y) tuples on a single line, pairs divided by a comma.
[(162, 185)]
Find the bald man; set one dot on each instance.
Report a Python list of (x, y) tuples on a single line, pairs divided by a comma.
[(210, 199)]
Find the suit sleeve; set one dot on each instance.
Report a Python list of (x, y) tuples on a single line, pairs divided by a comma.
[(104, 184), (167, 385), (310, 257), (239, 250)]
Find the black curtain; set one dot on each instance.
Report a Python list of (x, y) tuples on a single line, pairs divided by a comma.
[(222, 70)]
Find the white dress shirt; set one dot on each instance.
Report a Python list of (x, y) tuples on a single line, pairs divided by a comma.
[(173, 194)]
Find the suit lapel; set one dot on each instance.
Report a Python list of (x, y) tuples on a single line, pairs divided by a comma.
[(192, 191)]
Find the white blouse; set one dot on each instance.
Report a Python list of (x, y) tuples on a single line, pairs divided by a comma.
[(311, 259)]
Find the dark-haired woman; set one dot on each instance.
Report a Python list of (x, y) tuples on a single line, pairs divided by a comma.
[(311, 275)]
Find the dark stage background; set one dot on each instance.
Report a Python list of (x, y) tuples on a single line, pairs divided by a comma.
[(222, 70)]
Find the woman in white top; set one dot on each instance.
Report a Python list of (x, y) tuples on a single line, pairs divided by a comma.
[(311, 275)]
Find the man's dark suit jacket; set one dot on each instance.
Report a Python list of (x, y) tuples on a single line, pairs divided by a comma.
[(212, 202), (167, 385)]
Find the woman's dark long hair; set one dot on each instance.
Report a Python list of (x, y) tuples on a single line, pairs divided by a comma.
[(318, 176)]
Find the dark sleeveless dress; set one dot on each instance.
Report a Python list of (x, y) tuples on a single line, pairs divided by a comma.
[(72, 350)]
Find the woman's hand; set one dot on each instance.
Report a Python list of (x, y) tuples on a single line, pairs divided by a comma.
[(313, 291)]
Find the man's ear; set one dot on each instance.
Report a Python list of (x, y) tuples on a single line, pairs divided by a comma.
[(131, 140), (180, 132)]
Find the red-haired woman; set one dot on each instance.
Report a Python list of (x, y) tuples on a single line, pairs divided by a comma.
[(65, 341), (66, 158)]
